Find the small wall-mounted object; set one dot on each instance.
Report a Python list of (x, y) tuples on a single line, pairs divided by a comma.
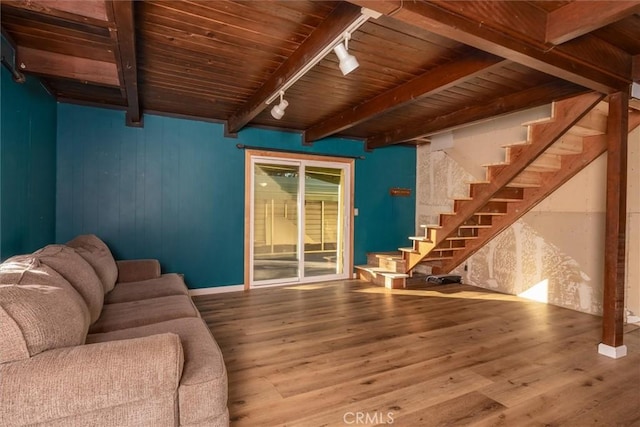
[(400, 192)]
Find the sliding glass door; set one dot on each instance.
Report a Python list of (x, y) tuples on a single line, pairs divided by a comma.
[(300, 216)]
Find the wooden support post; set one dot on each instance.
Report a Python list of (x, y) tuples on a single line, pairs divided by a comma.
[(615, 227)]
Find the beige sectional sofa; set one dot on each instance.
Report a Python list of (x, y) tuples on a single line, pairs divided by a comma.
[(86, 340)]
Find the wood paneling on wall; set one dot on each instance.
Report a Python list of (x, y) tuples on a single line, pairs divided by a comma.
[(28, 167), (174, 190)]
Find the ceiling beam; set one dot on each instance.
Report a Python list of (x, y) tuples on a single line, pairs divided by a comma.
[(433, 81), (71, 67), (528, 98), (578, 18), (494, 26), (338, 21), (125, 51), (92, 12)]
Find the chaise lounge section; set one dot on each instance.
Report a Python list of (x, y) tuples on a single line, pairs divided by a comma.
[(87, 340)]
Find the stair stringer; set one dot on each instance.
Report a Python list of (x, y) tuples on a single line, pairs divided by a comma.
[(565, 114)]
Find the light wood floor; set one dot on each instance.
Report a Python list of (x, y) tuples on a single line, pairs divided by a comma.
[(348, 353)]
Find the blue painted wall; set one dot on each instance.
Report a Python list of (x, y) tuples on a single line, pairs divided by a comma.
[(27, 166), (174, 190)]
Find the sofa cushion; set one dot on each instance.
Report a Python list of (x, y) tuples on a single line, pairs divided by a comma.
[(97, 253), (39, 309), (78, 272), (119, 383), (202, 392), (165, 285), (130, 314)]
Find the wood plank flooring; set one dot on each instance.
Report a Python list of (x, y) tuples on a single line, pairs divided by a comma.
[(349, 353)]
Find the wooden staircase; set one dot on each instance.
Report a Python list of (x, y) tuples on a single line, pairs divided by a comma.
[(556, 149)]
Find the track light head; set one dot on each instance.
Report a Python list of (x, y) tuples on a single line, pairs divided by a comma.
[(278, 110), (348, 62)]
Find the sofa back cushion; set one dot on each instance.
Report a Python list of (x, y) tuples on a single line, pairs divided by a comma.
[(39, 310), (97, 253), (78, 272)]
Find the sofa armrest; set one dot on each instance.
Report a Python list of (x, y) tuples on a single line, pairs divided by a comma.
[(135, 270), (74, 380)]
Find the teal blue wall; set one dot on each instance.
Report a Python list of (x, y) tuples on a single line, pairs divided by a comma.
[(174, 190), (27, 166)]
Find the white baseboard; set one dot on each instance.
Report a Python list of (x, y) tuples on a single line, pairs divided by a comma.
[(215, 290), (612, 352)]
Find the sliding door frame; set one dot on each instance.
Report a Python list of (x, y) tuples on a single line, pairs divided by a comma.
[(248, 194)]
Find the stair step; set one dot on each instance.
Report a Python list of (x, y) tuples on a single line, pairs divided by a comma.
[(526, 179), (461, 238), (475, 226), (378, 276), (461, 248), (593, 123), (490, 213), (419, 238), (389, 255), (436, 258), (569, 143), (538, 121), (545, 163), (409, 250)]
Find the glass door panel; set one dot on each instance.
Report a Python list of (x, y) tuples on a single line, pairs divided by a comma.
[(275, 223), (299, 219), (323, 221)]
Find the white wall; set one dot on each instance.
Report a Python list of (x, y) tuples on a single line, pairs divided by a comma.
[(555, 252)]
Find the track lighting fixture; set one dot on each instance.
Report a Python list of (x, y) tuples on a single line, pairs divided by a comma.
[(278, 110), (339, 45), (348, 62)]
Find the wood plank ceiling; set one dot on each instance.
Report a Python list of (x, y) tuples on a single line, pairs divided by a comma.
[(425, 67)]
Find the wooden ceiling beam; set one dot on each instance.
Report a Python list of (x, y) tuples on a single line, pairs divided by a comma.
[(92, 12), (529, 98), (71, 67), (494, 27), (338, 21), (431, 82), (579, 18), (125, 52)]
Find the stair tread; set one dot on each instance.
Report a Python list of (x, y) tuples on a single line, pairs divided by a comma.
[(522, 185), (537, 121), (420, 238), (437, 258), (430, 226), (516, 144), (389, 255), (408, 250), (505, 199), (378, 270), (462, 238), (475, 226)]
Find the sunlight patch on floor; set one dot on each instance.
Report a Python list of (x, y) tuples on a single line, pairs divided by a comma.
[(538, 292), (479, 295), (310, 286)]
